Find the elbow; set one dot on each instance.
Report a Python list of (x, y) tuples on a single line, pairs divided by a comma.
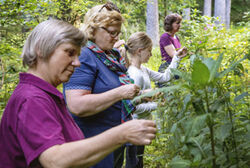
[(74, 110), (80, 110)]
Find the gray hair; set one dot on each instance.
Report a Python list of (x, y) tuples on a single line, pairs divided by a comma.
[(46, 37)]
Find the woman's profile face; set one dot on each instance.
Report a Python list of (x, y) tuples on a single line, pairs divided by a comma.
[(145, 54), (61, 63), (176, 26), (105, 37)]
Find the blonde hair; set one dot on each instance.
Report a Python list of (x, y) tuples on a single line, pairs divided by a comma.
[(46, 37), (136, 41), (100, 16)]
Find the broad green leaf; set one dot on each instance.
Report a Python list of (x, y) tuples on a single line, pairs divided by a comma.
[(209, 62), (174, 127), (179, 163), (200, 73), (215, 67), (196, 153), (153, 92), (183, 75), (197, 141), (223, 131), (195, 125)]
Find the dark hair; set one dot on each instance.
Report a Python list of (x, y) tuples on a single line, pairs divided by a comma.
[(169, 20)]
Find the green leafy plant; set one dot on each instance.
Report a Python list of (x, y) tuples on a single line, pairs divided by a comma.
[(202, 118)]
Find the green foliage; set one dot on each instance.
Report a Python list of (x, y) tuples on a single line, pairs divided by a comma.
[(204, 124), (203, 118), (10, 62)]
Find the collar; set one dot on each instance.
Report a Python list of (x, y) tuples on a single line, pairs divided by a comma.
[(38, 82)]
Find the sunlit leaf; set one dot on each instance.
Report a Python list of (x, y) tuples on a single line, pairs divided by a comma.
[(200, 73)]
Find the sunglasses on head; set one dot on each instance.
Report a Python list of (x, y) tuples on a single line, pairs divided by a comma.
[(110, 6)]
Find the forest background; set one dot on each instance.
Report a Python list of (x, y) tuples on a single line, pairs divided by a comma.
[(203, 118)]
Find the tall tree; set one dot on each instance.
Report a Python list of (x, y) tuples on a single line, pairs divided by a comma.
[(228, 12), (153, 21), (207, 10), (220, 10), (186, 13)]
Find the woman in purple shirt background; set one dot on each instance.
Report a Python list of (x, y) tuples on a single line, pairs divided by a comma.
[(36, 130), (169, 42)]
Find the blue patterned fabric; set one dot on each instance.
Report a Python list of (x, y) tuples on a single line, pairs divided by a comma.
[(93, 75), (116, 63)]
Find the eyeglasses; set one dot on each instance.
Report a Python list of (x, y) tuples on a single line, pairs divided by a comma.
[(113, 34), (110, 6)]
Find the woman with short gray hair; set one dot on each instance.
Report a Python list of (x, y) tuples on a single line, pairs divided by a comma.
[(36, 129)]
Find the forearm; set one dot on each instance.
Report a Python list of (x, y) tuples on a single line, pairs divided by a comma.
[(145, 107), (83, 153), (168, 74), (90, 104), (170, 50)]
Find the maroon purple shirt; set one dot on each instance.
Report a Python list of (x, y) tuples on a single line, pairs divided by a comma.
[(166, 40), (34, 120)]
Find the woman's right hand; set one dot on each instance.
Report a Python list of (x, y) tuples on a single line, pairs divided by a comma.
[(129, 91), (182, 52)]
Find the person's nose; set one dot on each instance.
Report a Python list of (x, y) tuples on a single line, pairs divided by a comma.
[(76, 62)]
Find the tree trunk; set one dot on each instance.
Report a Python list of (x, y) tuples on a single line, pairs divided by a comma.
[(228, 12), (186, 13), (220, 10), (153, 21), (207, 10)]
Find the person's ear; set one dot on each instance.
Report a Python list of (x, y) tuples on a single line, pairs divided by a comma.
[(139, 50)]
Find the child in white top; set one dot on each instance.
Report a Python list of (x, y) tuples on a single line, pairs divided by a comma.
[(139, 47)]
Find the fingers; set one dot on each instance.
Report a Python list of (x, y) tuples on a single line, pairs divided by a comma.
[(149, 139), (140, 132), (129, 91), (150, 123), (136, 90)]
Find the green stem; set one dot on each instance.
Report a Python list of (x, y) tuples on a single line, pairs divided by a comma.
[(233, 135), (211, 131)]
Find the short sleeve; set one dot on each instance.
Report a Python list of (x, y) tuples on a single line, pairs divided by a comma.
[(38, 127), (165, 40), (83, 76)]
